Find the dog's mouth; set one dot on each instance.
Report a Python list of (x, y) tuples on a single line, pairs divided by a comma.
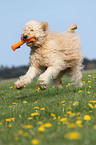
[(29, 43)]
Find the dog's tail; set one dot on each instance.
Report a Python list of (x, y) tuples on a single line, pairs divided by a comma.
[(72, 28)]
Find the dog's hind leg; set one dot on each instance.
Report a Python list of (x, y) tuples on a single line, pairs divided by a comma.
[(58, 82), (76, 76), (50, 74)]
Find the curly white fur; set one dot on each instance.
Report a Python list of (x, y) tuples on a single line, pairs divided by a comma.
[(55, 54)]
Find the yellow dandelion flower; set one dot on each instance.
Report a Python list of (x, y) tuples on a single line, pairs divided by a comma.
[(95, 106), (53, 86), (11, 87), (72, 83), (89, 75), (20, 132), (35, 141), (72, 114), (12, 119), (70, 102), (89, 86), (27, 126), (59, 117), (24, 102), (79, 91), (87, 117), (25, 134), (38, 88), (10, 106), (72, 135), (88, 92), (18, 91), (75, 103), (63, 119), (14, 103), (34, 114), (79, 123), (69, 108), (78, 118), (89, 81), (8, 120), (78, 113), (10, 125), (54, 118), (91, 101), (36, 108), (90, 105), (83, 82), (94, 101), (63, 101), (30, 118), (40, 122), (4, 113), (71, 125), (68, 112), (63, 104), (47, 125), (42, 109), (65, 122), (2, 92), (41, 128), (53, 115), (94, 126)]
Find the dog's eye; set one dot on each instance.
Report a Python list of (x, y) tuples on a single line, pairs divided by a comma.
[(31, 30)]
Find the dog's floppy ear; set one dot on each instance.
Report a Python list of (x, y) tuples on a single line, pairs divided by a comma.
[(44, 26)]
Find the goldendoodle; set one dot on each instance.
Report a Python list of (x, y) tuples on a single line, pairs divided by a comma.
[(52, 55)]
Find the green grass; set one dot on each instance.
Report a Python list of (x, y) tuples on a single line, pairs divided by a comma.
[(50, 99)]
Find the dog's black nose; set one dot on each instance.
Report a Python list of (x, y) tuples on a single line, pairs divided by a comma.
[(25, 37)]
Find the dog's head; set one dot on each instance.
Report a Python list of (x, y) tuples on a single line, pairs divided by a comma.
[(35, 29)]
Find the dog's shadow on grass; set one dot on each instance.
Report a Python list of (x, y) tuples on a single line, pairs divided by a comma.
[(28, 94), (25, 94)]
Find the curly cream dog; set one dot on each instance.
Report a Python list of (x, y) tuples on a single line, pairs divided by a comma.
[(54, 54)]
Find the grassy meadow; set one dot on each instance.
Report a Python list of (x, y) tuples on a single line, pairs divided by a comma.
[(49, 117)]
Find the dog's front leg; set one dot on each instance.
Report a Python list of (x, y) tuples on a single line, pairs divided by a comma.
[(27, 78), (50, 73)]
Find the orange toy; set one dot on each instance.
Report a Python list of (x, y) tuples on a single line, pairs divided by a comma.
[(17, 45)]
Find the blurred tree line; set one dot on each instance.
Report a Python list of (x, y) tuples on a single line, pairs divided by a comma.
[(14, 72)]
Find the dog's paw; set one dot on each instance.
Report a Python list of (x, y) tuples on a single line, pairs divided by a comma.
[(42, 87), (19, 84), (42, 84)]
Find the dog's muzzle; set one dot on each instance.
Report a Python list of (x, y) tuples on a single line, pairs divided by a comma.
[(25, 37)]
